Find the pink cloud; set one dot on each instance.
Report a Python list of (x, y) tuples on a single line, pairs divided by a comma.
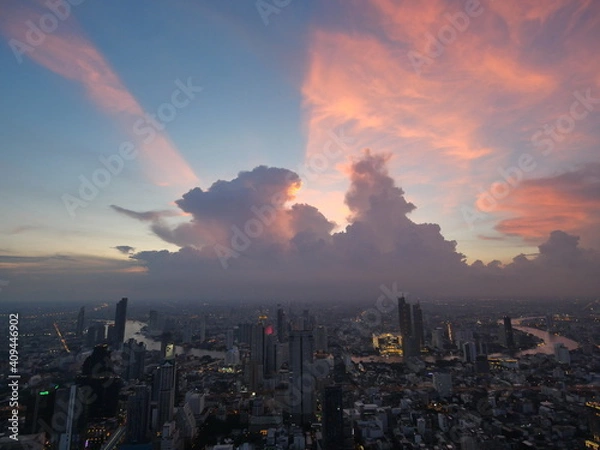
[(471, 109), (569, 202)]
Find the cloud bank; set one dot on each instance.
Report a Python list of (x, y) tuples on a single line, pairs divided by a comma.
[(246, 239)]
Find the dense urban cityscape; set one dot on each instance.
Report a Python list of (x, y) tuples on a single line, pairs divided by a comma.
[(394, 374)]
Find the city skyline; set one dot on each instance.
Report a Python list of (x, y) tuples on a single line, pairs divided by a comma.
[(311, 150), (183, 382)]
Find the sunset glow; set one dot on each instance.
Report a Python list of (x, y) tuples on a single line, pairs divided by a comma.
[(337, 141)]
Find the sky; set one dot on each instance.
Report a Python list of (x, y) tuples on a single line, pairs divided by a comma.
[(290, 150)]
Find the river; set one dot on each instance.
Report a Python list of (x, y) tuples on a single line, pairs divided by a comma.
[(547, 347), (132, 330), (549, 340)]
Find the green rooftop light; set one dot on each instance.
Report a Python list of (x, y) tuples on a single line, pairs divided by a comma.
[(44, 392)]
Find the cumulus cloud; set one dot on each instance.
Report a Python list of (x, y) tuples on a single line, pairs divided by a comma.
[(256, 196), (290, 250)]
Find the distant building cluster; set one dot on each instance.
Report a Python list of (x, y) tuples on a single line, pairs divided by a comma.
[(289, 377)]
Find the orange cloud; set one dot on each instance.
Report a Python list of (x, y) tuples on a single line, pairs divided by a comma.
[(66, 52), (470, 110), (569, 202), (368, 82)]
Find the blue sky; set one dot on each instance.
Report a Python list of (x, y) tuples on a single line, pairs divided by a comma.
[(457, 98)]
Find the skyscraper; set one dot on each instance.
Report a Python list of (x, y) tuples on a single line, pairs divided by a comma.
[(302, 395), (270, 358), (281, 325), (138, 415), (134, 354), (333, 418), (255, 368), (411, 328), (257, 344), (508, 333), (69, 428), (469, 350), (80, 322), (39, 410), (165, 385), (244, 333), (120, 319), (404, 316)]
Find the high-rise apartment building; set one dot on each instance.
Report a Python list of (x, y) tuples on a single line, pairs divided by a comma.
[(120, 320), (302, 391), (411, 328), (134, 355), (333, 418), (469, 350), (138, 415), (282, 327), (79, 329), (508, 333), (165, 385)]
